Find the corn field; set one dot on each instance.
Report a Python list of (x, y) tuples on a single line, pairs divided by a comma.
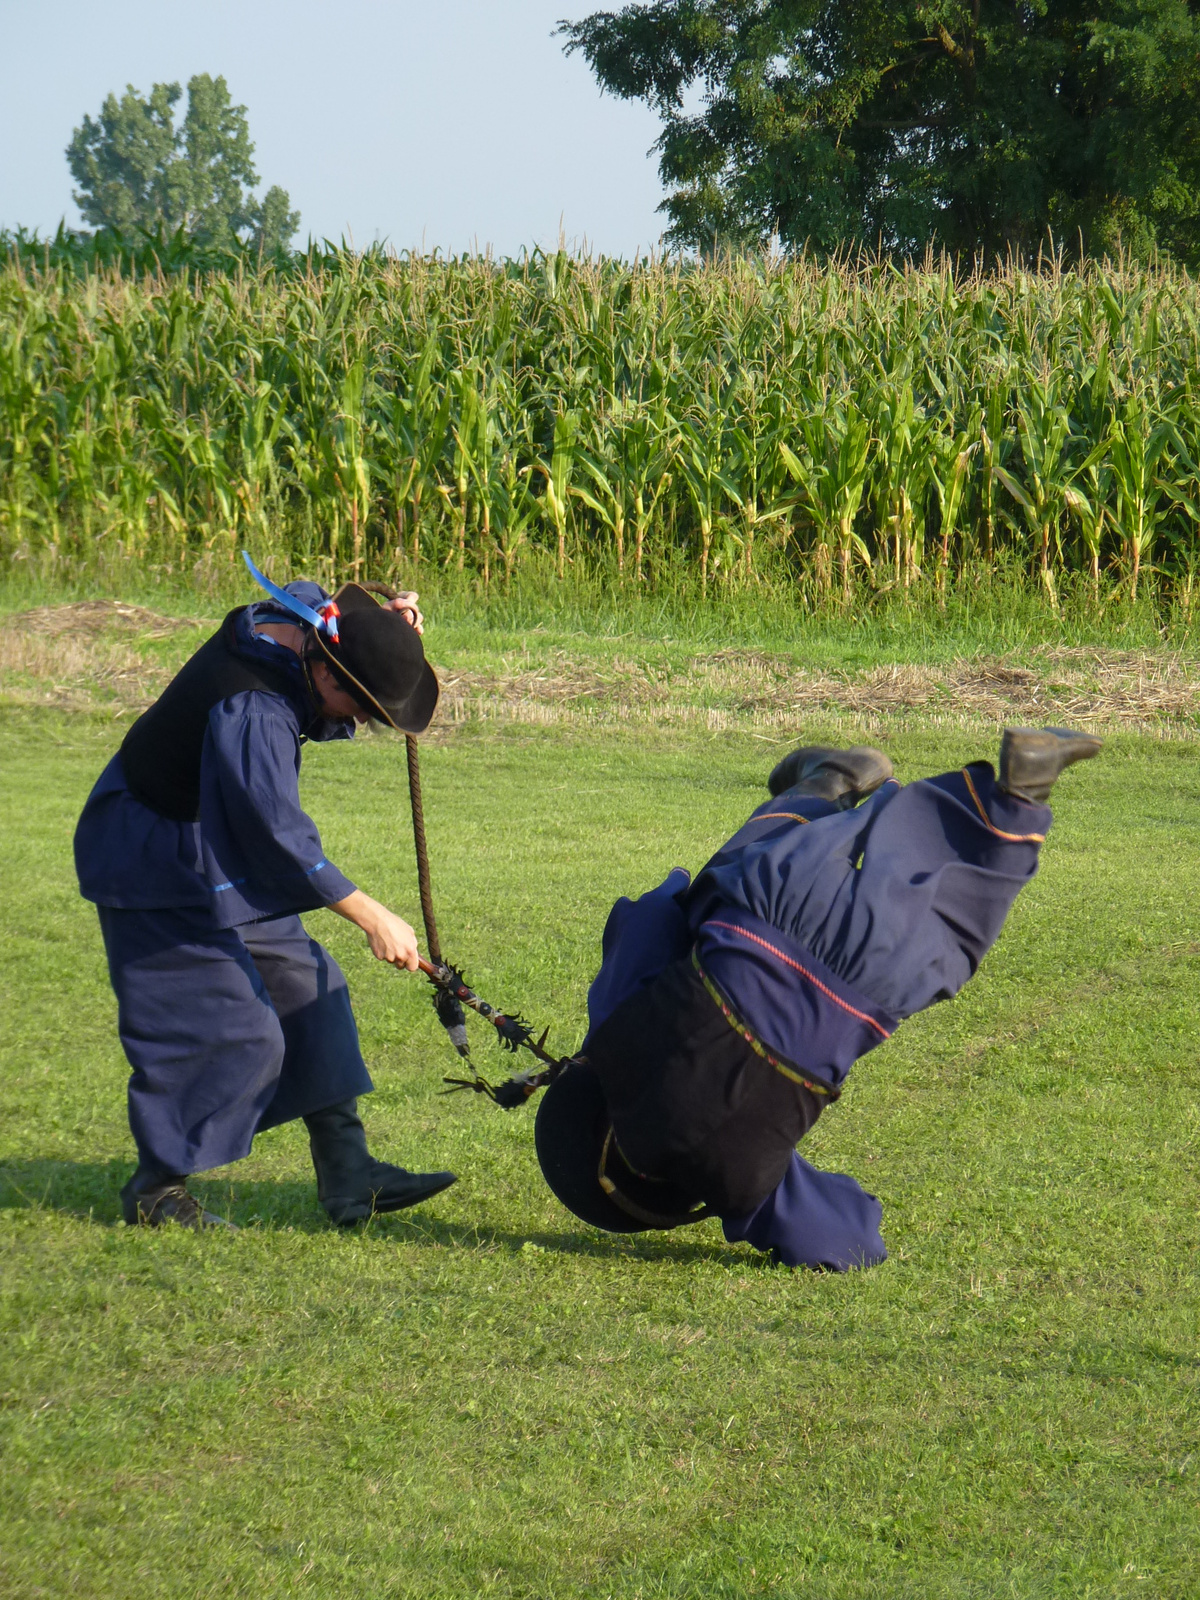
[(371, 415)]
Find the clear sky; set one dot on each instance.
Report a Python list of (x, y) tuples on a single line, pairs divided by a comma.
[(448, 123)]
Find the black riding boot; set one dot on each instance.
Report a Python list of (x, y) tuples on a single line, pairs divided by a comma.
[(151, 1198), (351, 1184), (1033, 759), (843, 776)]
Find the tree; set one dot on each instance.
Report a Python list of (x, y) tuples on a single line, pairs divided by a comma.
[(973, 125), (136, 169)]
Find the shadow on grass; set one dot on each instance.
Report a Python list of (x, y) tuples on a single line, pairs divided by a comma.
[(650, 1246), (90, 1191), (86, 1189)]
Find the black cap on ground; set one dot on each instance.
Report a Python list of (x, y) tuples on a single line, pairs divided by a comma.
[(573, 1137)]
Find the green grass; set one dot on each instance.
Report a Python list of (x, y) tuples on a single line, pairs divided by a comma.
[(482, 1397), (985, 612)]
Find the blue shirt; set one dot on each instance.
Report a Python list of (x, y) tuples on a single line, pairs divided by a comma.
[(254, 852), (801, 1011)]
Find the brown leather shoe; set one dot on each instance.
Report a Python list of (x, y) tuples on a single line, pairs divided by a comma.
[(823, 770), (1033, 759), (150, 1201)]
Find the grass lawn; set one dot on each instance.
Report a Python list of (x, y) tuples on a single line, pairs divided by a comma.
[(482, 1397)]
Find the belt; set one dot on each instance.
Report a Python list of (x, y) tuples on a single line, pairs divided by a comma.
[(755, 1043)]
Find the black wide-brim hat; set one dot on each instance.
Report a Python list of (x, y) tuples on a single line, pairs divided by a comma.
[(581, 1162), (379, 657)]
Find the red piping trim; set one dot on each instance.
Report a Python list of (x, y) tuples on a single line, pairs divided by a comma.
[(804, 972)]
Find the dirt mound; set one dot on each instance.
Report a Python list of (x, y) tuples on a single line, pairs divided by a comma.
[(87, 618)]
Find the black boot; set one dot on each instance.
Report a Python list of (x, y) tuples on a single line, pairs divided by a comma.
[(1032, 759), (151, 1198), (831, 774), (351, 1184)]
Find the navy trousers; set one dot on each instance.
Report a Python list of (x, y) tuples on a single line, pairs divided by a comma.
[(227, 1030), (901, 897)]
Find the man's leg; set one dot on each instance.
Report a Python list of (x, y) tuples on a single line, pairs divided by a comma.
[(205, 1049), (813, 782), (826, 789), (323, 1074), (322, 1061), (941, 863)]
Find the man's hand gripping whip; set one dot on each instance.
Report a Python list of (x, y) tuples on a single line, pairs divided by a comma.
[(452, 991)]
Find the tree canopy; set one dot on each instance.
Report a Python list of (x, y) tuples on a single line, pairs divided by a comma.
[(974, 125), (137, 170)]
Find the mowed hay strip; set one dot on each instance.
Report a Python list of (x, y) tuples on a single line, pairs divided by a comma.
[(92, 655), (87, 656), (87, 618), (1088, 688)]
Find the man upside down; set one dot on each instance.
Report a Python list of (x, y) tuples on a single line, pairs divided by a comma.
[(728, 1012)]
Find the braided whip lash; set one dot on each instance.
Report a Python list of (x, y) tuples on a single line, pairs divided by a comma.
[(513, 1033), (452, 992)]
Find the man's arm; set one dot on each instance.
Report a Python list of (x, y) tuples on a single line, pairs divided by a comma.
[(390, 937), (641, 937)]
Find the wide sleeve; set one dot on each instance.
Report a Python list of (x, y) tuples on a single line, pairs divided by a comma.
[(262, 852), (641, 937)]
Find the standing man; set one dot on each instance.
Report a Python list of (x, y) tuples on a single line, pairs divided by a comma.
[(728, 1012), (199, 857)]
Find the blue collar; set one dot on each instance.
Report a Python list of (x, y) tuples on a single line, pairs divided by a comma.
[(261, 647)]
